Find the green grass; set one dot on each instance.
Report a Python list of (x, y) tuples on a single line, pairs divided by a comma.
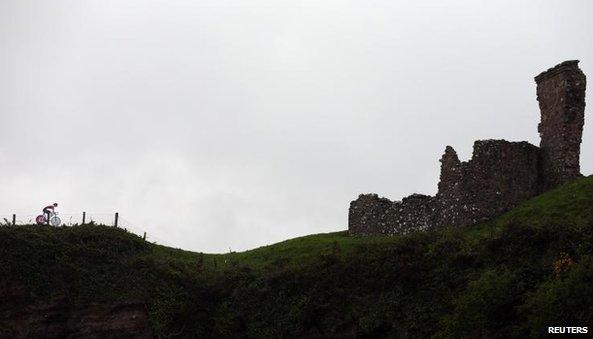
[(497, 279)]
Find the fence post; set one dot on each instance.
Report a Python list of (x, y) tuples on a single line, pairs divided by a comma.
[(13, 219), (83, 218), (116, 218), (144, 237)]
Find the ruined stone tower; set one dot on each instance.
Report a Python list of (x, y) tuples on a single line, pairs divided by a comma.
[(561, 97), (499, 176)]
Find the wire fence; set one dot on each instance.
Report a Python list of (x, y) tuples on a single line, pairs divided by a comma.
[(84, 218)]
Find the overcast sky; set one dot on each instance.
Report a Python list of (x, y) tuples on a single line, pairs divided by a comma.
[(234, 124)]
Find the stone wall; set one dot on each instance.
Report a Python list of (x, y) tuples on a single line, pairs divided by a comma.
[(370, 214), (561, 97), (499, 176)]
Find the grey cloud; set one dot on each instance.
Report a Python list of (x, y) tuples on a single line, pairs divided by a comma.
[(217, 124)]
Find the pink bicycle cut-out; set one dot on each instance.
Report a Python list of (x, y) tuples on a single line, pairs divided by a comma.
[(54, 220)]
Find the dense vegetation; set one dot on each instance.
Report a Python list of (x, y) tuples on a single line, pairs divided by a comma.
[(529, 269)]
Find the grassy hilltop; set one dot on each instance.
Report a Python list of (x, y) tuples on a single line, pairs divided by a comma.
[(512, 277)]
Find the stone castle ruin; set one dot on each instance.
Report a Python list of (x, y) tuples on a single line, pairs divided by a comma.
[(499, 176)]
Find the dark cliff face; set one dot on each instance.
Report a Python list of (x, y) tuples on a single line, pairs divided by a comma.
[(499, 176), (23, 317)]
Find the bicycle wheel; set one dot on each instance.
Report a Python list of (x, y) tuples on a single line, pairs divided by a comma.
[(55, 221), (40, 220)]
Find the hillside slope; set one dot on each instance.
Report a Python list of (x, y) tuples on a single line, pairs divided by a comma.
[(528, 269)]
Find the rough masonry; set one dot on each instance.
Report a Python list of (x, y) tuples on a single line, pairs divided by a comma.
[(499, 176)]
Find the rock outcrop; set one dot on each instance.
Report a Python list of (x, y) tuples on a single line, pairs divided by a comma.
[(56, 317)]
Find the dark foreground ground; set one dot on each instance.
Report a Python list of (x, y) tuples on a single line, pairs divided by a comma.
[(513, 277)]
